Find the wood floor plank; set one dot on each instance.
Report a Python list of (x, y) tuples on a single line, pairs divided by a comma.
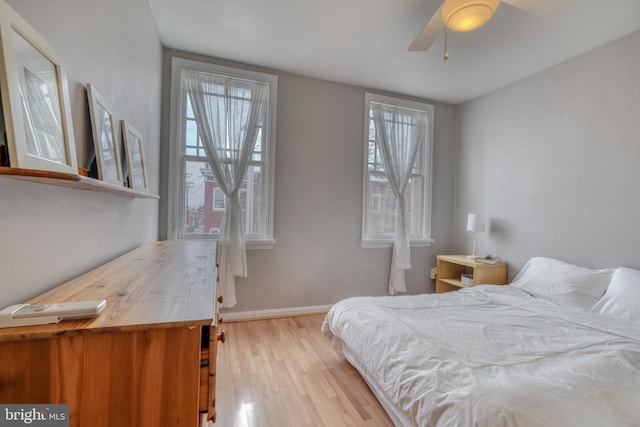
[(284, 373)]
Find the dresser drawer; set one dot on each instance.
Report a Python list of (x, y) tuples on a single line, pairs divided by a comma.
[(204, 380)]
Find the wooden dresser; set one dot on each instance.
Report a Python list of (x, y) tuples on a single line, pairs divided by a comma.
[(138, 363)]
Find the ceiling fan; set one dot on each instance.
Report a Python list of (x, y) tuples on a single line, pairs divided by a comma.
[(467, 15)]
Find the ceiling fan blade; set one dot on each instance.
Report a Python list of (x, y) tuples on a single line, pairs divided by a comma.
[(544, 8), (428, 34)]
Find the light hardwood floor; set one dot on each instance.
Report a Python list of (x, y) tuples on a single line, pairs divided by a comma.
[(284, 373)]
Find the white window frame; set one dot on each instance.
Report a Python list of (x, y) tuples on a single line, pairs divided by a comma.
[(176, 194), (426, 153)]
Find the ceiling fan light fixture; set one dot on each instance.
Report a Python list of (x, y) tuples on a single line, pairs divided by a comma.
[(467, 15)]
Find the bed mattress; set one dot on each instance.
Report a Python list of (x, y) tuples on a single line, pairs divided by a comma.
[(491, 356)]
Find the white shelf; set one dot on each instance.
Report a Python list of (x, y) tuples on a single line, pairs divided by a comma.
[(73, 181)]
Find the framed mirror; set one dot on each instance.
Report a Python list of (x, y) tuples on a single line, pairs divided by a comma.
[(105, 138), (35, 98), (135, 157)]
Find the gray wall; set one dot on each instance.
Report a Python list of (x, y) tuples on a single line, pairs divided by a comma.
[(554, 160), (49, 234), (318, 200)]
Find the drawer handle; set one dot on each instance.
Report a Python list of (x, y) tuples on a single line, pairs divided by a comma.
[(222, 337), (220, 299)]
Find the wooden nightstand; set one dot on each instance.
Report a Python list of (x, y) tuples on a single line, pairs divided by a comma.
[(449, 269)]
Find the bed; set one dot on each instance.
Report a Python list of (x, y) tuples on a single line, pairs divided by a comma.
[(559, 346)]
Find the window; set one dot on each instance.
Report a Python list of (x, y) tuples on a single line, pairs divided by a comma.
[(379, 202), (376, 203), (218, 199), (196, 202)]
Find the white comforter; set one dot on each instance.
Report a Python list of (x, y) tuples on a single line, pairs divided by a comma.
[(491, 356)]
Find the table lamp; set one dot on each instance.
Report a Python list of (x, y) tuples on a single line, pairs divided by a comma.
[(477, 224)]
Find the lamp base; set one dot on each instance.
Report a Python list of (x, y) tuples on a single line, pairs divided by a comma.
[(473, 257), (473, 250)]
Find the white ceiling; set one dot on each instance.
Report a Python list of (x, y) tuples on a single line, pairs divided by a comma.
[(364, 42)]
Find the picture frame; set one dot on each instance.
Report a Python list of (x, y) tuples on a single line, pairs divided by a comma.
[(35, 99), (136, 164), (105, 138)]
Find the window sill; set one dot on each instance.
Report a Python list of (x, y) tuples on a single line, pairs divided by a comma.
[(249, 244), (261, 244), (414, 243)]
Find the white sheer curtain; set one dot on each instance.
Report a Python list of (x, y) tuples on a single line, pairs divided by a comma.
[(229, 114), (399, 133)]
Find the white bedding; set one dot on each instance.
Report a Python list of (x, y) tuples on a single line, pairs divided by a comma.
[(491, 356)]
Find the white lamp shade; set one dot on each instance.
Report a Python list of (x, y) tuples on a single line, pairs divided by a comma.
[(476, 223)]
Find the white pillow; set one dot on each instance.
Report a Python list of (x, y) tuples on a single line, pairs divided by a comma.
[(622, 299), (563, 283)]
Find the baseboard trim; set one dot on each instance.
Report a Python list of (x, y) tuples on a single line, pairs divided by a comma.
[(242, 316)]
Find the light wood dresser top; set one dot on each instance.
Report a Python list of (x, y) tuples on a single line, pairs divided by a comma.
[(158, 285)]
